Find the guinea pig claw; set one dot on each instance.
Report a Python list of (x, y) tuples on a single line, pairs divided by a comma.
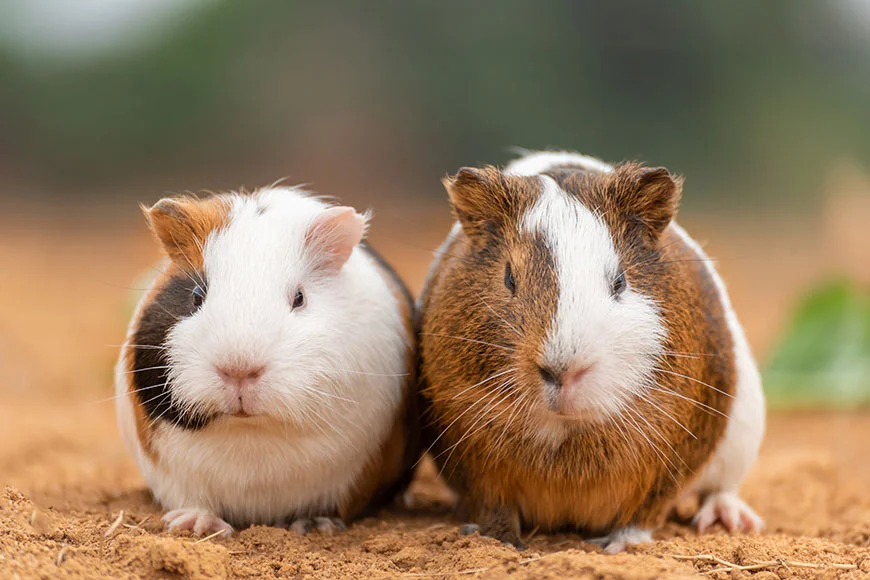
[(323, 525), (619, 540), (508, 539), (728, 508), (329, 526), (199, 521)]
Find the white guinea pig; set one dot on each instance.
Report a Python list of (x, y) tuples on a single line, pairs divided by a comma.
[(267, 373)]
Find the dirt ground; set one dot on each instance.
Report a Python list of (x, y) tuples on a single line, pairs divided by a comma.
[(72, 503)]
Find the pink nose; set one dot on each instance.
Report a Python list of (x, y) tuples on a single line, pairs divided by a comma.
[(574, 376), (565, 379), (241, 375)]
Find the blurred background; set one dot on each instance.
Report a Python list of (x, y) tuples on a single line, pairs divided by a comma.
[(764, 107)]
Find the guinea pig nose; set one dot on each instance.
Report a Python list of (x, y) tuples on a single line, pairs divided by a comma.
[(550, 376), (238, 374), (574, 376)]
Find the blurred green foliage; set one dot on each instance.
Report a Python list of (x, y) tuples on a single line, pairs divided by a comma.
[(824, 357), (749, 99)]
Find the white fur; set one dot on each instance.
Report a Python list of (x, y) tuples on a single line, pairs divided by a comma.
[(618, 338), (334, 372), (541, 161), (739, 446), (621, 539)]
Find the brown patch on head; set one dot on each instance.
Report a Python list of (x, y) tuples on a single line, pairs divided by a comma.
[(487, 202), (183, 224), (637, 203)]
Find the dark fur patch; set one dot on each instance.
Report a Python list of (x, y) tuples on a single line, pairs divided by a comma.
[(171, 303)]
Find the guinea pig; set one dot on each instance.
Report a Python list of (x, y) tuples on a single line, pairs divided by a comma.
[(581, 364), (268, 373)]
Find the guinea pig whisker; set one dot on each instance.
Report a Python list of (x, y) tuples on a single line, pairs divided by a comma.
[(692, 354), (491, 398), (125, 393), (468, 340), (680, 355), (695, 380), (661, 456), (656, 431), (157, 397), (505, 392), (515, 406), (168, 407), (330, 395), (656, 406), (189, 262), (148, 369), (619, 422), (484, 381), (703, 406), (444, 431), (142, 346), (364, 373), (674, 353)]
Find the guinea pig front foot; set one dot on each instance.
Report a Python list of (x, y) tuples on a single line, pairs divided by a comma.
[(727, 507), (503, 525), (324, 525), (619, 540), (199, 521)]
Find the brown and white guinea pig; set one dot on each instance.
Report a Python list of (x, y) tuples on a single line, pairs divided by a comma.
[(268, 373), (581, 365)]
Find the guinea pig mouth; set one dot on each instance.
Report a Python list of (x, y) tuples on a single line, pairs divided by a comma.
[(240, 414)]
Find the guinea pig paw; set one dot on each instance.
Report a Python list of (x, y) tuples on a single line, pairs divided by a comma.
[(329, 526), (506, 536), (619, 540), (199, 521), (323, 525), (727, 507)]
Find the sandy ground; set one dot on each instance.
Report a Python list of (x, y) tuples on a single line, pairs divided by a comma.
[(72, 503)]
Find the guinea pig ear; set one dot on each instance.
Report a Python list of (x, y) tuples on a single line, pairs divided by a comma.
[(333, 235), (655, 199), (478, 199), (182, 226)]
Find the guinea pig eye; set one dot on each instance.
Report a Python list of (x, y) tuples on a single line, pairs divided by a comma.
[(198, 296), (509, 281), (298, 300), (618, 285)]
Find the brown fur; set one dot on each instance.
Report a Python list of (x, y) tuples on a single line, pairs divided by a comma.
[(487, 439), (182, 225)]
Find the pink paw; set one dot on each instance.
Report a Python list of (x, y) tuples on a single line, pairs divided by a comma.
[(201, 522), (726, 507), (328, 526), (620, 540)]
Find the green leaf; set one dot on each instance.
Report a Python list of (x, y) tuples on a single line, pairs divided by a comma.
[(824, 357)]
